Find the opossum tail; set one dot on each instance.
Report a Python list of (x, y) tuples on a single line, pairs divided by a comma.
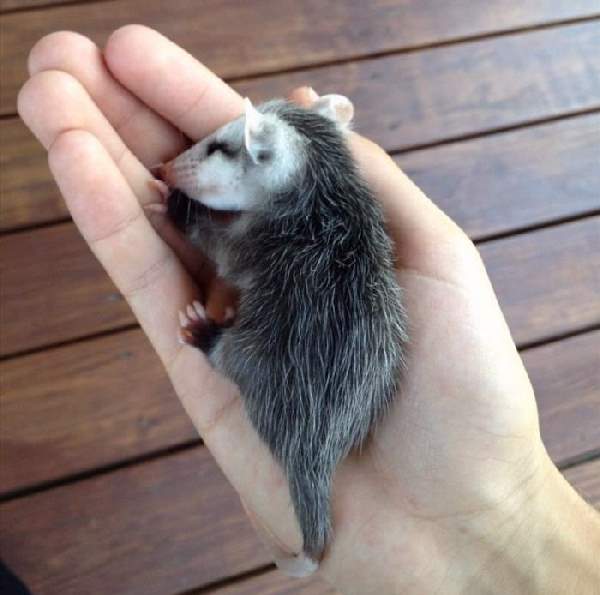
[(310, 494)]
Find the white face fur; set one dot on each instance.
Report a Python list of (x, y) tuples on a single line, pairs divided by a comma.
[(248, 159)]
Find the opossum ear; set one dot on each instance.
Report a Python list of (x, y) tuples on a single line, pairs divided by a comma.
[(256, 133), (335, 107)]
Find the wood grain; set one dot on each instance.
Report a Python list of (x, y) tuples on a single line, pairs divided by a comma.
[(424, 97), (548, 281), (513, 180), (488, 185), (29, 194), (10, 5), (566, 379), (236, 38), (102, 401), (53, 289), (162, 527), (83, 406)]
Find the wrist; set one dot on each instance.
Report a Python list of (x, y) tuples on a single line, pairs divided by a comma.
[(552, 547)]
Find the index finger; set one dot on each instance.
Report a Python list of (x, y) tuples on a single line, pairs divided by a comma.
[(171, 81)]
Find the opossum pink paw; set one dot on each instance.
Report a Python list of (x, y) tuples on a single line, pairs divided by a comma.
[(197, 329)]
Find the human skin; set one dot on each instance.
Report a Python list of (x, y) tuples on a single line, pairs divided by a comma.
[(455, 492)]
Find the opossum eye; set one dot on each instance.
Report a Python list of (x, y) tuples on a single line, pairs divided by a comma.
[(224, 148), (263, 156)]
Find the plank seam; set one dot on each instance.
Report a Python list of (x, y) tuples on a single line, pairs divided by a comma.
[(58, 344), (410, 49), (478, 242), (198, 443), (230, 580), (588, 328), (495, 130), (71, 478), (415, 48), (581, 459), (409, 149), (519, 231), (35, 226), (50, 5)]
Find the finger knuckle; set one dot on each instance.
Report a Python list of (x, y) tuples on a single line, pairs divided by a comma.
[(69, 144), (49, 84)]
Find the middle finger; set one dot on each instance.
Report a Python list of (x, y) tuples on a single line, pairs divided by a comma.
[(151, 138), (171, 81)]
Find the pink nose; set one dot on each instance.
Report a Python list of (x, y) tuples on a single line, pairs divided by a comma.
[(164, 172)]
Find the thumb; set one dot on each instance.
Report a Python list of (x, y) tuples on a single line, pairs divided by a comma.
[(425, 237)]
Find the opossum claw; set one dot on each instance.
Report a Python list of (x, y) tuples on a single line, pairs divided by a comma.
[(199, 308), (183, 320), (197, 329), (192, 314)]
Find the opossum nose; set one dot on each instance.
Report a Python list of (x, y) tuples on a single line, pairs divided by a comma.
[(163, 172)]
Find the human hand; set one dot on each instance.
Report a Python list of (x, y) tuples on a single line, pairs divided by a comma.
[(453, 473)]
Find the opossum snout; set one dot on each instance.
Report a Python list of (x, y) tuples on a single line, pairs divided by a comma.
[(164, 172)]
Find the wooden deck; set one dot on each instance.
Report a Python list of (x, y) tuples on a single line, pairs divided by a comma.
[(493, 108)]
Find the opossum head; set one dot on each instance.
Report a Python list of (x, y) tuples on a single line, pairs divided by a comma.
[(257, 156)]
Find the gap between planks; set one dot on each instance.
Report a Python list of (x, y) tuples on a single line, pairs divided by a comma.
[(419, 47), (357, 58), (50, 5), (552, 338), (486, 133), (175, 449)]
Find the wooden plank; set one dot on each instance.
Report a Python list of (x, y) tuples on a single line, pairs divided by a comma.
[(548, 281), (53, 289), (119, 405), (162, 527), (566, 379), (542, 11), (235, 39), (434, 102), (29, 194), (424, 97), (10, 5), (513, 180), (489, 185)]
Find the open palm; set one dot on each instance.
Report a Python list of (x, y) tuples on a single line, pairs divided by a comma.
[(461, 442)]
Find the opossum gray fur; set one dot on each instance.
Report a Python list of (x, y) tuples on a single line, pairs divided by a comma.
[(317, 345)]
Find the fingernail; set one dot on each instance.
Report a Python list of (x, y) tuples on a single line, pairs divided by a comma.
[(265, 535), (156, 208), (296, 565), (299, 566), (312, 94)]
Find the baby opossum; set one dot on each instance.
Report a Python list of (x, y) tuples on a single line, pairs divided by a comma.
[(317, 343)]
